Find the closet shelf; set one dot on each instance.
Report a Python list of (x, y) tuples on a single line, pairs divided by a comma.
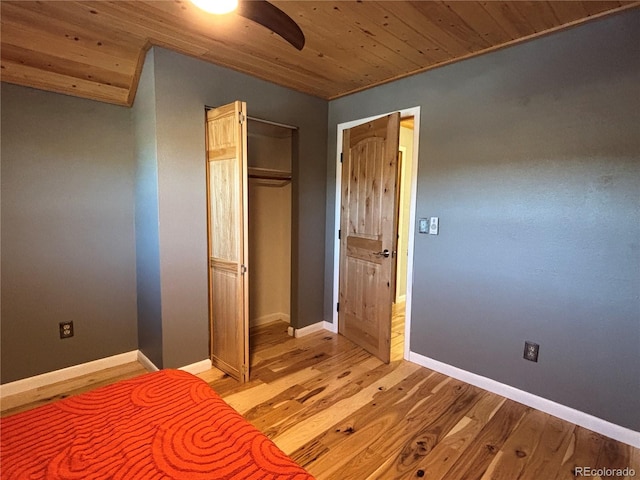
[(269, 176)]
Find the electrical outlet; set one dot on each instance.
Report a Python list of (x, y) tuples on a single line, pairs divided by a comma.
[(66, 329), (531, 351)]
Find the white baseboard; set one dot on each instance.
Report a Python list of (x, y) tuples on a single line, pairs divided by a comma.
[(56, 376), (622, 434), (68, 373), (146, 363), (272, 317), (313, 328), (198, 367), (332, 327)]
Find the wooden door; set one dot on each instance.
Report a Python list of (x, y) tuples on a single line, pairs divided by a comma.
[(228, 244), (368, 233)]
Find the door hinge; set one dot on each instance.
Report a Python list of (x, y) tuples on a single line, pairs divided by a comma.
[(338, 307), (341, 157), (243, 269), (339, 234), (241, 118)]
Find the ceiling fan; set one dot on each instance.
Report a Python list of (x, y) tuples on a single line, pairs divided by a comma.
[(259, 11)]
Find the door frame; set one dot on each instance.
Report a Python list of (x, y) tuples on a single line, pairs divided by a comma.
[(401, 163), (413, 180)]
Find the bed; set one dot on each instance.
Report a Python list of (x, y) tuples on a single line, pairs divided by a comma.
[(162, 425)]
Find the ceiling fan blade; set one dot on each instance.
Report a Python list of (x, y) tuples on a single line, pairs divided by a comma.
[(270, 16)]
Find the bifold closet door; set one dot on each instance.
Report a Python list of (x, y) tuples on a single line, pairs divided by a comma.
[(228, 244)]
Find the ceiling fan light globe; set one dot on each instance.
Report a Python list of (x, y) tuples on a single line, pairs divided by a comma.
[(217, 7)]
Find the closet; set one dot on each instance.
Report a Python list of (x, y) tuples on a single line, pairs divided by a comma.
[(269, 157)]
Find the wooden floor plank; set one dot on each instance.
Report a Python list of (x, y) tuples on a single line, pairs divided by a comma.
[(614, 456), (309, 428), (634, 464), (516, 452), (446, 453), (356, 432), (478, 456), (250, 398), (318, 397), (425, 427), (555, 440), (584, 447)]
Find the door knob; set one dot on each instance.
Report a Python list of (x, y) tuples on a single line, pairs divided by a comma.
[(385, 253)]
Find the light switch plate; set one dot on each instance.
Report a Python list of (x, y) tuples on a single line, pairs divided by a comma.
[(423, 225), (433, 225)]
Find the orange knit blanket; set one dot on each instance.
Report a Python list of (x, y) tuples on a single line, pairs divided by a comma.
[(163, 425)]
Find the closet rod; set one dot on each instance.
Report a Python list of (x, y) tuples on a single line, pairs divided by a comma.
[(262, 120), (269, 122)]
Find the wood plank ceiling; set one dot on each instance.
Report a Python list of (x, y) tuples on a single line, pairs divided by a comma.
[(95, 49)]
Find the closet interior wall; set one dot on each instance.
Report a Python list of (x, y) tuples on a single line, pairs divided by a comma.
[(269, 154)]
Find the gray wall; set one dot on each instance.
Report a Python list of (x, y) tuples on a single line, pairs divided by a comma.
[(68, 249), (183, 86), (146, 208), (530, 156)]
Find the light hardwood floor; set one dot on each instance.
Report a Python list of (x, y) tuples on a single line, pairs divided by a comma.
[(343, 414)]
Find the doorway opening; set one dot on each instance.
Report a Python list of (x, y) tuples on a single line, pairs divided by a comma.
[(405, 162), (269, 159), (406, 201)]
